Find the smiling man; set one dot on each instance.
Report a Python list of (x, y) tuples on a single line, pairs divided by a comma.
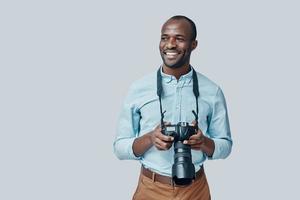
[(174, 102)]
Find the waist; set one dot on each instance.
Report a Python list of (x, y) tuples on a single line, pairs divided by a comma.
[(166, 179)]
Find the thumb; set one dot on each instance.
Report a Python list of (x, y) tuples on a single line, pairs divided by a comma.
[(194, 122)]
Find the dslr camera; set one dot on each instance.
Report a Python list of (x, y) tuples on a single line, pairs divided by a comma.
[(183, 169)]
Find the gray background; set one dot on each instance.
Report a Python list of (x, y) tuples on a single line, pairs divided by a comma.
[(66, 67)]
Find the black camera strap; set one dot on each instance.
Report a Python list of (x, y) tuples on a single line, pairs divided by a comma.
[(160, 92)]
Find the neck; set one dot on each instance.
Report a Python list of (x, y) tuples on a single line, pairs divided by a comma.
[(177, 72)]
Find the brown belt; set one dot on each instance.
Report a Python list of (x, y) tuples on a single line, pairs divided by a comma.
[(165, 179)]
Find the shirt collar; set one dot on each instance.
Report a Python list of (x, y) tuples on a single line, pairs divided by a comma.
[(168, 78)]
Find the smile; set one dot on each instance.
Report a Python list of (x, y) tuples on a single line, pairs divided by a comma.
[(171, 55)]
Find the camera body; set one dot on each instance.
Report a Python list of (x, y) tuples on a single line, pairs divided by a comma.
[(183, 169), (181, 131)]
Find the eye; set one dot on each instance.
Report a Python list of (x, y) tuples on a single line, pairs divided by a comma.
[(180, 39), (163, 38)]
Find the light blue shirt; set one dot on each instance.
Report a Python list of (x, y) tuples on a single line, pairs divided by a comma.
[(141, 114)]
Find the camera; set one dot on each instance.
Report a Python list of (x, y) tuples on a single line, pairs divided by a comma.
[(183, 169)]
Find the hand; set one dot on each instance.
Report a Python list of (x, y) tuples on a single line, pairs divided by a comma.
[(196, 141), (160, 141)]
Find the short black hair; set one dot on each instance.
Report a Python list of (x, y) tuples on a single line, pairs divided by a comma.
[(192, 24)]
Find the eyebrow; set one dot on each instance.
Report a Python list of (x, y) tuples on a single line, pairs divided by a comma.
[(178, 35)]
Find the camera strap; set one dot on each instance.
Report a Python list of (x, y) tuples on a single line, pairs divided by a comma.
[(160, 92)]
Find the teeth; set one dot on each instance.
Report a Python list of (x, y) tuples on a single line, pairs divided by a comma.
[(171, 54)]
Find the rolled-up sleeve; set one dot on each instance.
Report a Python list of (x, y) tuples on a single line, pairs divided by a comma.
[(219, 129), (127, 129)]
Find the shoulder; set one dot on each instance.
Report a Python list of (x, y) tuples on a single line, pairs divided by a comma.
[(206, 85), (146, 82), (143, 86)]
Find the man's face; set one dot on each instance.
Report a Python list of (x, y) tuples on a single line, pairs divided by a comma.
[(176, 44)]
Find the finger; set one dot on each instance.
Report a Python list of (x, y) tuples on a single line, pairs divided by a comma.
[(163, 137), (196, 147), (196, 136), (162, 145), (157, 127), (194, 141), (190, 142), (199, 131), (167, 138), (165, 123), (160, 148)]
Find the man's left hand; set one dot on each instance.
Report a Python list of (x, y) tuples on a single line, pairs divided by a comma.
[(196, 141)]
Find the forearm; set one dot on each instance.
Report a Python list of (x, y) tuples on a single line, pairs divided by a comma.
[(142, 144)]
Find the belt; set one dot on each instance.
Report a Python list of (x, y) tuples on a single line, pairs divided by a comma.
[(166, 179)]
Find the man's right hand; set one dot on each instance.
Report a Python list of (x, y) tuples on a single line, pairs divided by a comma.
[(161, 141), (153, 138)]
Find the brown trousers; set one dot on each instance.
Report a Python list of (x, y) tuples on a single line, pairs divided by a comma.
[(148, 189)]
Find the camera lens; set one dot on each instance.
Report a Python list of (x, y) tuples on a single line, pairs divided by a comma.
[(183, 170)]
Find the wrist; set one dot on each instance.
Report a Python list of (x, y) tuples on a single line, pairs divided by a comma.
[(208, 146)]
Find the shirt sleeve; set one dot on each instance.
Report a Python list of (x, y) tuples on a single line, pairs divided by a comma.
[(127, 129), (219, 129)]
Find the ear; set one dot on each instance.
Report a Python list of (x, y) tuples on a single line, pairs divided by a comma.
[(194, 44)]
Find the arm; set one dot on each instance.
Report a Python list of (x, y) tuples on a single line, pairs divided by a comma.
[(219, 129), (127, 128), (127, 144), (218, 143)]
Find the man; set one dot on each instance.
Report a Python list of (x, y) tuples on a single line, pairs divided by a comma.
[(139, 134)]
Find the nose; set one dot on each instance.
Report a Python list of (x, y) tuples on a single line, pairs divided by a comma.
[(171, 43)]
